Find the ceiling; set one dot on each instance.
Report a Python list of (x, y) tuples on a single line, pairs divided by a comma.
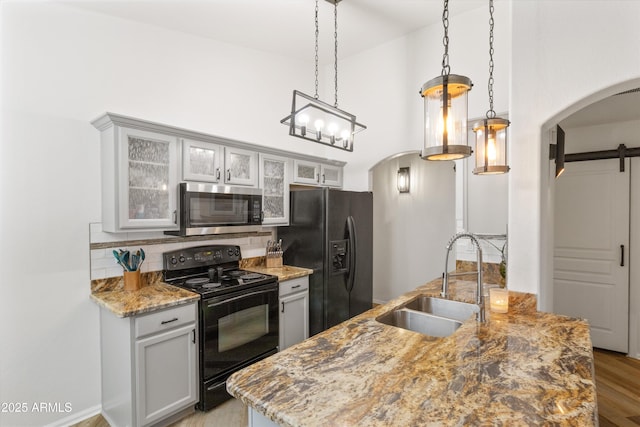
[(286, 27)]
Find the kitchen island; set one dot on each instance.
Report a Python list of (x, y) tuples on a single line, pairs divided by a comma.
[(521, 368)]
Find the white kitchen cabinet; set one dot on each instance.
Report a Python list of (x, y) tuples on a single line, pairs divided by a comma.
[(306, 172), (240, 167), (139, 178), (294, 311), (330, 175), (201, 161), (274, 181), (149, 366)]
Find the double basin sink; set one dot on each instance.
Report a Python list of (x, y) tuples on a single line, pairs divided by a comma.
[(436, 317)]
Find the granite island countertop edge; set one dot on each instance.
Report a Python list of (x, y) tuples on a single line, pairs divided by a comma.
[(362, 372)]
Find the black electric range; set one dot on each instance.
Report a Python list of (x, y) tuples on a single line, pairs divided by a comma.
[(238, 313)]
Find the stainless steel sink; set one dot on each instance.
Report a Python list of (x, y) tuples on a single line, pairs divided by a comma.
[(421, 322), (436, 317), (443, 307)]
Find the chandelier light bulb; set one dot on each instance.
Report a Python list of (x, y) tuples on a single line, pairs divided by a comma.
[(304, 120)]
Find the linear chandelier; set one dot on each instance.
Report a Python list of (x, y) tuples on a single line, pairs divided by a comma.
[(317, 121)]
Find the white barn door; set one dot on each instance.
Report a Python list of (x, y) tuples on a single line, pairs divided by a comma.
[(591, 262)]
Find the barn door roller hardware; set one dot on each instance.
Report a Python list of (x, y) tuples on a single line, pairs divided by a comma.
[(620, 153)]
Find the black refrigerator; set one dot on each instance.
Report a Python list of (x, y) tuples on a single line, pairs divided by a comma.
[(331, 232)]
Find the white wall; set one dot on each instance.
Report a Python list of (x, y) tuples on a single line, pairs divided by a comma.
[(411, 229), (61, 68), (561, 55), (607, 137)]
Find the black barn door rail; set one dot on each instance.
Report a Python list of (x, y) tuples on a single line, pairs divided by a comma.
[(620, 153)]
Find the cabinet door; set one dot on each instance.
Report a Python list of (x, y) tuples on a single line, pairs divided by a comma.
[(200, 161), (331, 176), (166, 374), (274, 181), (294, 319), (241, 167), (306, 172), (148, 180)]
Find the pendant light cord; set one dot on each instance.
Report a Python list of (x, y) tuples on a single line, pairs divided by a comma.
[(445, 40), (316, 58), (335, 50), (491, 113)]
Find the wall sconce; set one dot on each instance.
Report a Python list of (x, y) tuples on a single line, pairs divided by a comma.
[(556, 151), (404, 180)]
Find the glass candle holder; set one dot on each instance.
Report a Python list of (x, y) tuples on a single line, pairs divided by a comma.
[(499, 300)]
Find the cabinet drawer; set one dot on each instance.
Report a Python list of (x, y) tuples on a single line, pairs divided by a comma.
[(294, 285), (165, 319)]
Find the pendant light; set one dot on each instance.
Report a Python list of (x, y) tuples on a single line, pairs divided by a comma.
[(445, 109), (329, 125), (491, 133)]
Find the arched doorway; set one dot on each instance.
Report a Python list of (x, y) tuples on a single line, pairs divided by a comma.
[(598, 122)]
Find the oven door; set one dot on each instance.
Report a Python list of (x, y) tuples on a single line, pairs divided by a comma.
[(238, 327)]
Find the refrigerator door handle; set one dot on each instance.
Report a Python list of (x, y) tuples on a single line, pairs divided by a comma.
[(353, 241)]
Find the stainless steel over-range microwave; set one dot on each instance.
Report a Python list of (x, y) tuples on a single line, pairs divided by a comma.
[(215, 209)]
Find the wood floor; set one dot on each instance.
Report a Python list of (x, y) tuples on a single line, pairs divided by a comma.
[(617, 382), (618, 387)]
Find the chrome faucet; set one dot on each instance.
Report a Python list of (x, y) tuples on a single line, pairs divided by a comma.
[(446, 274)]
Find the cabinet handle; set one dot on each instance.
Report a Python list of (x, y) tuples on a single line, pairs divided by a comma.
[(323, 179), (164, 322), (218, 173), (621, 255), (317, 177), (228, 174), (295, 287), (193, 340), (175, 216), (283, 307)]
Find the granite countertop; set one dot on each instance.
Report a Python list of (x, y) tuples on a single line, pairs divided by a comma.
[(155, 295), (520, 368), (286, 272)]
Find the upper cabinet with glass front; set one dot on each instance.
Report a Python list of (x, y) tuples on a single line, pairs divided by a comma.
[(143, 162), (240, 167), (139, 178), (274, 181), (201, 161), (313, 173)]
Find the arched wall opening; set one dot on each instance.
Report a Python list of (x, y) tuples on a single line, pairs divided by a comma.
[(547, 205)]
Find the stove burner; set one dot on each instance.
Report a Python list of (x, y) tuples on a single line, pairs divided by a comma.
[(211, 285), (198, 281), (252, 276), (235, 273)]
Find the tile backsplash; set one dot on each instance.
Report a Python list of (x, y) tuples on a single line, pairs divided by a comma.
[(102, 244)]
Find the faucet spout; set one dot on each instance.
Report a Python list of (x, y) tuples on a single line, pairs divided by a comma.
[(445, 281)]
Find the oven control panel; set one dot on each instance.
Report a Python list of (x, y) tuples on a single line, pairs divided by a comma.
[(200, 256)]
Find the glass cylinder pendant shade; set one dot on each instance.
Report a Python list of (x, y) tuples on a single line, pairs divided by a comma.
[(445, 117), (491, 146)]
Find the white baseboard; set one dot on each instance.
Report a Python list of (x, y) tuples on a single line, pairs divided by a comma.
[(77, 417)]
